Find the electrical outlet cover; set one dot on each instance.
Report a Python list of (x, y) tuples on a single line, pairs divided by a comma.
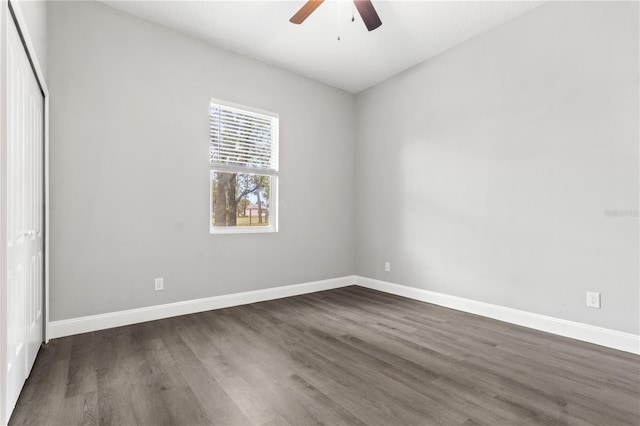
[(593, 299)]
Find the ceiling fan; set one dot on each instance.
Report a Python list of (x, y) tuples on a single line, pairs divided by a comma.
[(365, 9)]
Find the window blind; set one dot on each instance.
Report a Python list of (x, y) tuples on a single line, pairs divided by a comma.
[(242, 138)]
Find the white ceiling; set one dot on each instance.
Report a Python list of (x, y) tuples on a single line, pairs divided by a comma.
[(412, 31)]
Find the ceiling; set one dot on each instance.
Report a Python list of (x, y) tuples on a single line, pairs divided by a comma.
[(412, 31)]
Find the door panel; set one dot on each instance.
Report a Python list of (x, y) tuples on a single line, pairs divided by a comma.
[(25, 145)]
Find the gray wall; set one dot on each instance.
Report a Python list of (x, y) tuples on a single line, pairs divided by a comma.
[(129, 167), (486, 172)]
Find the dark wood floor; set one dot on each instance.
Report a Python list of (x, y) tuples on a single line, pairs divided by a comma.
[(347, 356)]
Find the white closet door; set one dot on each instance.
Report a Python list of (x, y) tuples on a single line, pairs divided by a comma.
[(24, 216)]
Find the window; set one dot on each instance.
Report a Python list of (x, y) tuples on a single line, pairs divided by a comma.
[(243, 156)]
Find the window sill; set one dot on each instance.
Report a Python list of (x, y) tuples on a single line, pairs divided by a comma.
[(242, 230)]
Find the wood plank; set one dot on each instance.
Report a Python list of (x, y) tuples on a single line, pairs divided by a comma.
[(350, 356)]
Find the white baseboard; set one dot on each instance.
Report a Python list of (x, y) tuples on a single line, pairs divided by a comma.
[(86, 324), (601, 336), (588, 333)]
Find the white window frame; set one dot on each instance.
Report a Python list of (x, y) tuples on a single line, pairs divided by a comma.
[(233, 168)]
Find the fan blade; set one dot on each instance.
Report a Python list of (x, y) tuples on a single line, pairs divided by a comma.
[(368, 14), (305, 11)]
